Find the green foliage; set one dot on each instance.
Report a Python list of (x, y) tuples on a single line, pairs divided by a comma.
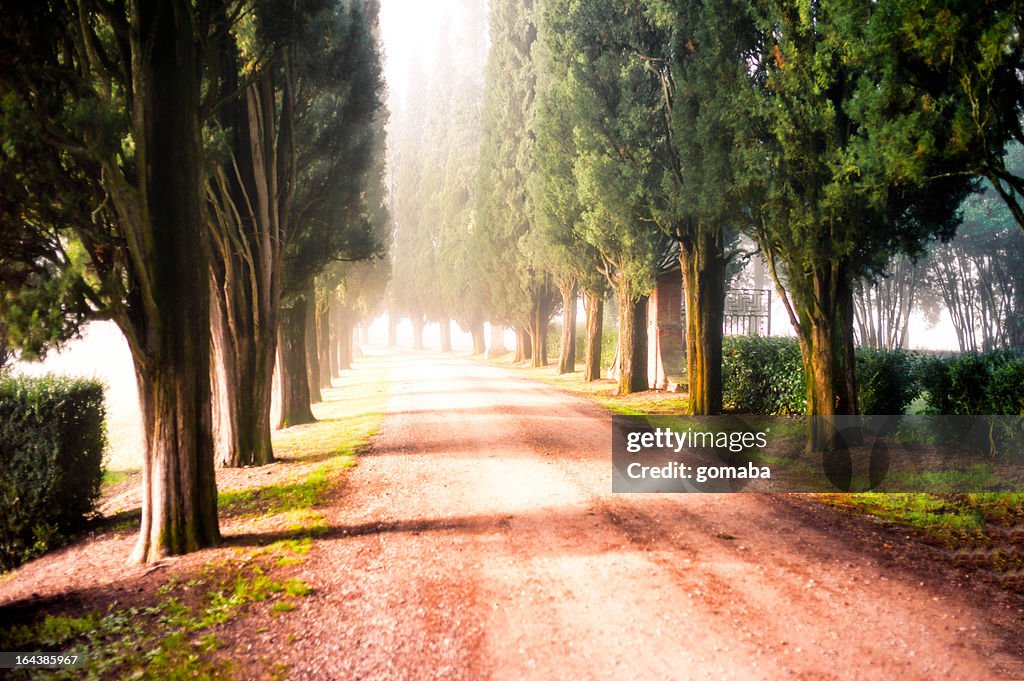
[(52, 438), (982, 45), (972, 384), (1006, 388), (434, 158), (620, 131), (558, 245), (338, 209), (43, 286), (505, 215), (886, 381), (844, 154), (763, 375), (766, 376)]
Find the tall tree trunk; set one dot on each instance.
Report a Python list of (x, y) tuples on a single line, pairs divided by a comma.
[(539, 319), (632, 341), (357, 351), (446, 334), (247, 232), (170, 335), (567, 354), (524, 348), (349, 348), (312, 351), (342, 336), (826, 343), (477, 333), (1015, 323), (417, 332), (295, 407), (703, 269), (328, 363), (392, 330), (595, 329), (243, 378)]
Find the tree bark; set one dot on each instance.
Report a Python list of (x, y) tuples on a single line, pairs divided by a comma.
[(446, 335), (349, 348), (632, 342), (826, 344), (567, 354), (247, 230), (243, 377), (312, 351), (342, 318), (524, 349), (595, 329), (295, 407), (477, 332), (170, 329), (357, 351), (539, 319), (328, 365), (703, 269)]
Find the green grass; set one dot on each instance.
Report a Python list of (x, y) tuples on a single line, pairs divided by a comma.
[(946, 520), (307, 493), (112, 477), (169, 640), (175, 637)]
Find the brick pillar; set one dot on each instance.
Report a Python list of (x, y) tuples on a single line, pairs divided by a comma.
[(496, 347)]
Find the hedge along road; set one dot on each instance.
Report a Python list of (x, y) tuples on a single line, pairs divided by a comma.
[(479, 539)]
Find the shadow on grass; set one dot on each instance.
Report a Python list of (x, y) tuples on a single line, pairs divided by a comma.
[(305, 494), (119, 523)]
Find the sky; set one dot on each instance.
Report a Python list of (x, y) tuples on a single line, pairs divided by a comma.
[(410, 30)]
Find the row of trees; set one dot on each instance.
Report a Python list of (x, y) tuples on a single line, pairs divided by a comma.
[(618, 135), (978, 278), (192, 171), (433, 161)]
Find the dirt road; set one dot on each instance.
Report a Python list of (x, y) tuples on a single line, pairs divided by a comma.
[(479, 539)]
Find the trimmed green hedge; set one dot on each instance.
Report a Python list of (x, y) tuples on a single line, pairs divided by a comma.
[(765, 376), (974, 384), (886, 380), (52, 438)]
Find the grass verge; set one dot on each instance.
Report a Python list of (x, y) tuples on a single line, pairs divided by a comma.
[(176, 631)]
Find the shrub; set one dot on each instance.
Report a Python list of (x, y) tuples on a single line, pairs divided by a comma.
[(763, 375), (973, 384), (886, 381), (52, 438), (1006, 388), (766, 376), (933, 377)]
